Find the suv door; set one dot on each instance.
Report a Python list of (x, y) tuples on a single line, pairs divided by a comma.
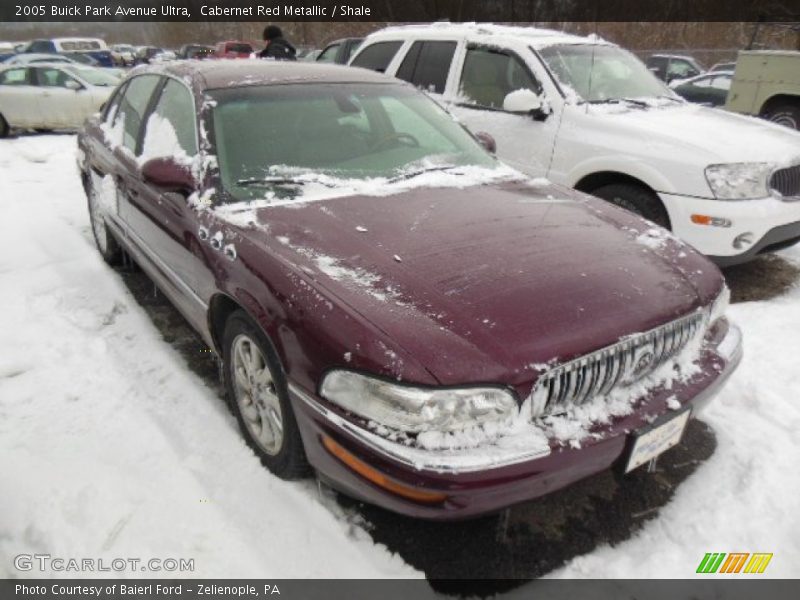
[(486, 75)]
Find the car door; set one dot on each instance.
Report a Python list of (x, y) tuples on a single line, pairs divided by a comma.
[(161, 221), (18, 94), (485, 76), (63, 100)]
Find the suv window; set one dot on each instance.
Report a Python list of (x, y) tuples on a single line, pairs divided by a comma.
[(43, 46), (329, 54), (489, 75), (426, 65), (15, 77), (377, 57), (171, 127), (681, 69), (132, 107)]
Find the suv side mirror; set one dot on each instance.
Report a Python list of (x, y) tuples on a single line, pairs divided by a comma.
[(526, 102), (169, 175), (487, 141)]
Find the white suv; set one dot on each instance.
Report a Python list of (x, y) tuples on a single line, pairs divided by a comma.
[(588, 114)]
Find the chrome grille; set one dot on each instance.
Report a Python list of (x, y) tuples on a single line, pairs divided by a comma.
[(621, 364), (786, 182)]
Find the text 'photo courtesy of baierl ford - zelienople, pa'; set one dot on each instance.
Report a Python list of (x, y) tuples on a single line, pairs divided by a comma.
[(409, 299)]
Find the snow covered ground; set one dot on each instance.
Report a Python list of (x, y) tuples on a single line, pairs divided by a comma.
[(110, 447)]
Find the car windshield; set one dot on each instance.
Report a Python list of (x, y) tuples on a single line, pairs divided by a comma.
[(239, 48), (93, 76), (599, 73), (269, 136)]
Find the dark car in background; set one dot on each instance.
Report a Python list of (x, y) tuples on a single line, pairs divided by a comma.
[(339, 51), (396, 310), (195, 51), (710, 89), (668, 67)]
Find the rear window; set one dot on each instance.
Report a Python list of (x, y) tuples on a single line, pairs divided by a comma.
[(377, 57), (239, 48), (78, 45)]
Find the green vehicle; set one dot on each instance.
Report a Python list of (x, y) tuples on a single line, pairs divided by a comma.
[(767, 84)]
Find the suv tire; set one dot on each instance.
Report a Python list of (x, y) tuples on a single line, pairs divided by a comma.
[(635, 199)]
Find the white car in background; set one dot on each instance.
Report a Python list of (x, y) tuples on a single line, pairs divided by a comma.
[(51, 95), (589, 115), (36, 57)]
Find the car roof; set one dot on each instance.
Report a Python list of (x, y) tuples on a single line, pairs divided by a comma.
[(243, 72), (534, 36)]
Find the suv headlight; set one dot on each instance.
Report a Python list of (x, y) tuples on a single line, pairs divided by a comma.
[(739, 181), (720, 305), (414, 409)]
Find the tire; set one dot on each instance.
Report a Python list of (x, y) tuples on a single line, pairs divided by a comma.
[(260, 399), (786, 114), (106, 244), (635, 199), (4, 128)]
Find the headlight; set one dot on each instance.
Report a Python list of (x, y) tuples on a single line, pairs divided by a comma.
[(720, 305), (739, 181), (413, 409)]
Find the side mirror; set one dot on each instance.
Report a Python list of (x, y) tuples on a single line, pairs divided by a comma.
[(487, 141), (169, 175), (71, 84), (524, 102)]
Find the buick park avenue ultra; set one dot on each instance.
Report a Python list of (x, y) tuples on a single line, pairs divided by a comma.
[(425, 328), (589, 115)]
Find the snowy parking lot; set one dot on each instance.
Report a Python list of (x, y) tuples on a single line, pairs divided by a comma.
[(113, 446)]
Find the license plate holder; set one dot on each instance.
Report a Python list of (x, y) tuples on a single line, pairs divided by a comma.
[(653, 440)]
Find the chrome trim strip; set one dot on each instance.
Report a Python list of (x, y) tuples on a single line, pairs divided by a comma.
[(450, 461), (157, 260)]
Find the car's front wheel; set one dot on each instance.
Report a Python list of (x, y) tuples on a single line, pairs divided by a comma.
[(108, 247), (636, 199), (4, 128), (258, 396), (785, 114)]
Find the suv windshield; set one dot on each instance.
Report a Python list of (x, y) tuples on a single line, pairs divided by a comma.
[(282, 134), (598, 73)]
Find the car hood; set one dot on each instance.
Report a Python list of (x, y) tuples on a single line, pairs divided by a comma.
[(488, 283), (702, 134)]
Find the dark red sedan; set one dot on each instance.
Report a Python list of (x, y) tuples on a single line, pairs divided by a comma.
[(425, 328)]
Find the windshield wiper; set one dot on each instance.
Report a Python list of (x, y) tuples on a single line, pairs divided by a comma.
[(633, 101), (412, 174), (270, 181)]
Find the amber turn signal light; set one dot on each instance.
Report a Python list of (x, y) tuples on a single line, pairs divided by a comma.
[(713, 221), (380, 479)]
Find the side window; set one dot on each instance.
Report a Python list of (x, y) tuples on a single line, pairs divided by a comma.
[(329, 54), (377, 57), (15, 77), (426, 65), (48, 77), (133, 106), (112, 106), (171, 127), (348, 51), (489, 75), (43, 46), (680, 69)]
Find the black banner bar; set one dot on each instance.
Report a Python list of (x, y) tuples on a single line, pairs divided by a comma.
[(397, 10), (708, 587)]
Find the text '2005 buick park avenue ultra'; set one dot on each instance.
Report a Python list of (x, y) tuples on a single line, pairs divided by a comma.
[(427, 329)]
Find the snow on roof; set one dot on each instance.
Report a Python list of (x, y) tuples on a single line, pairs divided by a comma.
[(530, 35)]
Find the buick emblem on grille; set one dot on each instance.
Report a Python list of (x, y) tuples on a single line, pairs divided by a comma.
[(643, 362)]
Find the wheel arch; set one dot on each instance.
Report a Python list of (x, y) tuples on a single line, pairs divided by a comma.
[(777, 99)]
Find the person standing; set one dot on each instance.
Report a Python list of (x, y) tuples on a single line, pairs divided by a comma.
[(277, 46)]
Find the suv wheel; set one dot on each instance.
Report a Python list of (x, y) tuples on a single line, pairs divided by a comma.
[(108, 247), (786, 114), (636, 199), (258, 396)]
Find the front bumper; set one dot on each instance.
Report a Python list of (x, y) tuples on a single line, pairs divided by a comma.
[(771, 223), (476, 482)]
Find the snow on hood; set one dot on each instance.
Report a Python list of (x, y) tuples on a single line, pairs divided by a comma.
[(712, 135)]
